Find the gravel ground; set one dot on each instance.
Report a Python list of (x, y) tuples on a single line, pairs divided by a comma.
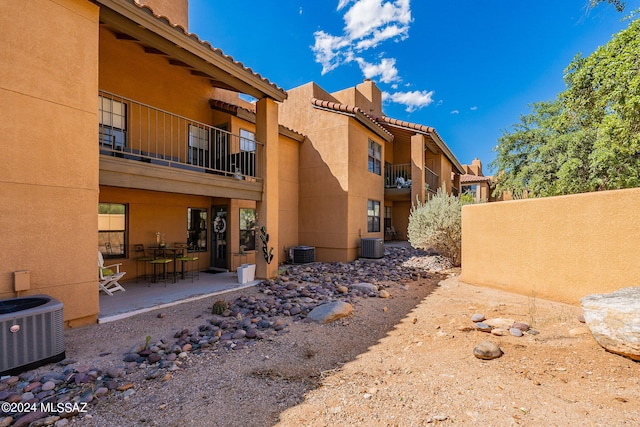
[(406, 360)]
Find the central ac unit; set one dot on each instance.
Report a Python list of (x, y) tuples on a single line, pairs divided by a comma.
[(31, 333), (302, 254), (372, 248)]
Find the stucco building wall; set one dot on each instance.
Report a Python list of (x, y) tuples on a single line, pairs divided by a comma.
[(335, 184), (49, 178), (558, 248)]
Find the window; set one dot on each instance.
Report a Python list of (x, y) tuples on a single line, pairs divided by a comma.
[(247, 140), (473, 190), (248, 229), (387, 217), (373, 216), (112, 121), (112, 229), (375, 157), (197, 229), (198, 146)]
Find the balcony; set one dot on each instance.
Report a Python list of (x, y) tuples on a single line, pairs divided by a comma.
[(398, 176), (431, 180), (133, 131)]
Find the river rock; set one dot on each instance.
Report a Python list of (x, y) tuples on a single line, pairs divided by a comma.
[(614, 320), (329, 312), (500, 322), (365, 288), (487, 350)]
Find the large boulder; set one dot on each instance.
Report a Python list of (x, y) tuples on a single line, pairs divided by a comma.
[(614, 320), (331, 311)]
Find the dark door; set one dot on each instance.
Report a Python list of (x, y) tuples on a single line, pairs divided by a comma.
[(219, 233)]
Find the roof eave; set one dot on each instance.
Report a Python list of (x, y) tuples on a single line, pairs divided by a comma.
[(361, 118), (175, 42)]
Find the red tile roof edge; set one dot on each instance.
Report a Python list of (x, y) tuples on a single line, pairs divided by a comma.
[(349, 109), (205, 43)]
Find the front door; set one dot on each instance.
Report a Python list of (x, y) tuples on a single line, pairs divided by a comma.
[(219, 257)]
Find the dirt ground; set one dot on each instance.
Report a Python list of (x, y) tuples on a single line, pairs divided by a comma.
[(403, 361)]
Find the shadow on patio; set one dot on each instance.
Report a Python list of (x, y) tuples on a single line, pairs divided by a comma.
[(140, 297)]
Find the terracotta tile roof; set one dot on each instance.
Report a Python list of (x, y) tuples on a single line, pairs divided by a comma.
[(404, 124), (474, 178), (424, 129), (204, 43), (363, 117)]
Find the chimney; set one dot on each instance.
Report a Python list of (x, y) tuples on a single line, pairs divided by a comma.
[(373, 94)]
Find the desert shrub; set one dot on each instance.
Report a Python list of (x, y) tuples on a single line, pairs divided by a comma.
[(437, 224)]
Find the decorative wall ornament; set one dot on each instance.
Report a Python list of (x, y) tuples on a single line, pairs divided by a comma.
[(267, 251)]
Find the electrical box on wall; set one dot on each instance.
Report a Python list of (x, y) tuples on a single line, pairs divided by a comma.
[(21, 280)]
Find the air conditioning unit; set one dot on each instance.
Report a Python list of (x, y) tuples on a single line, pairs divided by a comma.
[(302, 254), (31, 333), (372, 248)]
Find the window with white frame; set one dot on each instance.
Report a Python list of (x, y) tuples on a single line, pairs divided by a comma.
[(247, 140), (112, 120), (373, 216), (198, 146), (374, 164)]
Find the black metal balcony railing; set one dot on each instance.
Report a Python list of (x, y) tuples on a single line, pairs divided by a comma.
[(135, 131), (398, 176)]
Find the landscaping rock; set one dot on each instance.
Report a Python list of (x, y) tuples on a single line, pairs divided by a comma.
[(487, 350), (329, 312), (614, 320)]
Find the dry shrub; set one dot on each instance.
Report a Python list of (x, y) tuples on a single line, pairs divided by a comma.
[(437, 224)]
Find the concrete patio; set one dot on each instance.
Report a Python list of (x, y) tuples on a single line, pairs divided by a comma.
[(144, 296)]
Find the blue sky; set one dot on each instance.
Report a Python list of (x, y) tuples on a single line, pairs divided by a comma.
[(468, 68)]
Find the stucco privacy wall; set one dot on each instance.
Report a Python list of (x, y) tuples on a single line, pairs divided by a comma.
[(49, 176), (558, 248)]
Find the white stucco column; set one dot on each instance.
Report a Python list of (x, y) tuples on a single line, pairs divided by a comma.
[(268, 207), (417, 167)]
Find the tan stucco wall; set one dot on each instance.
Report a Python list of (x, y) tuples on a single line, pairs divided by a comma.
[(127, 71), (334, 182), (558, 248), (289, 162), (49, 178)]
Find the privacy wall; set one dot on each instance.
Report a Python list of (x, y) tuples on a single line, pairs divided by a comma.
[(559, 248)]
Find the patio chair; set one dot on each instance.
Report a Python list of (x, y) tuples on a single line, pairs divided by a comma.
[(141, 256), (107, 278), (392, 233), (188, 257), (402, 183)]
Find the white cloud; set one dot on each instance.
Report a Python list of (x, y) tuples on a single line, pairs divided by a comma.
[(367, 24), (300, 11), (386, 69), (455, 112), (368, 17), (413, 100), (343, 3), (474, 108)]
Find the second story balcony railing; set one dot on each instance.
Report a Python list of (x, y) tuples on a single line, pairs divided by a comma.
[(431, 180), (397, 176), (132, 130)]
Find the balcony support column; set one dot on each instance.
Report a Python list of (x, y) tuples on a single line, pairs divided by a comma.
[(418, 142), (267, 208)]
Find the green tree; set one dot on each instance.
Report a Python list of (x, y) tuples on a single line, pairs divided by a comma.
[(619, 5), (587, 139)]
